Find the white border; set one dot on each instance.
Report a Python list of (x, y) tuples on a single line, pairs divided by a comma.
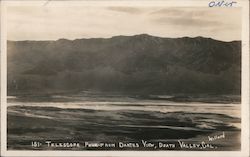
[(244, 4), (3, 79)]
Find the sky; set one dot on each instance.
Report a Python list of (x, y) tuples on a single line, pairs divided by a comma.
[(53, 23)]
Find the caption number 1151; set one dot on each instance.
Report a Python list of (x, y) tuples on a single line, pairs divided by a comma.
[(36, 144)]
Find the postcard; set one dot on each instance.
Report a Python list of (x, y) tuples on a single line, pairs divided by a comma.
[(125, 78)]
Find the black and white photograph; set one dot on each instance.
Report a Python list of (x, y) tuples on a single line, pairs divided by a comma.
[(143, 78)]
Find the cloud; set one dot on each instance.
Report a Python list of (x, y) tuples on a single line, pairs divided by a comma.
[(186, 22), (181, 12), (188, 17), (129, 10)]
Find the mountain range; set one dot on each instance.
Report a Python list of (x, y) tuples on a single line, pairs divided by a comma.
[(141, 64)]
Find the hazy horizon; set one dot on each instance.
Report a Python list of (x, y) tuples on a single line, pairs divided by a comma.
[(62, 38), (53, 23)]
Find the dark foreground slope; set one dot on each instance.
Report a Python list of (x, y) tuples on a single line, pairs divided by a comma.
[(126, 64)]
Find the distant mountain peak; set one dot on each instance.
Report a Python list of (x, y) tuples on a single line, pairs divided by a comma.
[(143, 35), (63, 40)]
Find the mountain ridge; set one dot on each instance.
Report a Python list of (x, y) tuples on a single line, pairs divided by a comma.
[(140, 63), (115, 36)]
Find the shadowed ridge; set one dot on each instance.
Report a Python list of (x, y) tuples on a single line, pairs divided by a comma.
[(140, 63)]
